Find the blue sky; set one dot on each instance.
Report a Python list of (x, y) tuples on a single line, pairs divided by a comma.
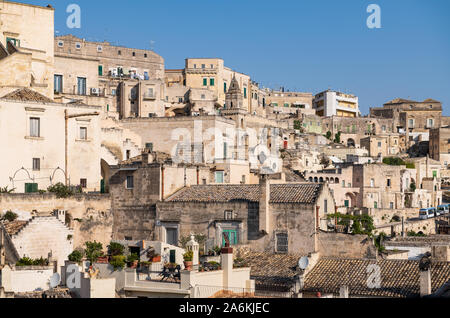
[(305, 45)]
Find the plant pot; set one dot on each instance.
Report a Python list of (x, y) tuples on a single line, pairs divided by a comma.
[(103, 260), (188, 265), (156, 259), (134, 264)]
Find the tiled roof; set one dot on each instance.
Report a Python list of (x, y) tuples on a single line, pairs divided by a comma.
[(399, 278), (27, 95), (280, 193), (12, 228), (56, 293), (271, 270)]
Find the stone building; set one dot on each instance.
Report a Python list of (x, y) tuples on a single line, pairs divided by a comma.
[(37, 137), (384, 145), (290, 102), (333, 103), (439, 145), (411, 117), (274, 217), (26, 48), (126, 82)]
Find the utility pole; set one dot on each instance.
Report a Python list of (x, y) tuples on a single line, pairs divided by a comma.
[(66, 128)]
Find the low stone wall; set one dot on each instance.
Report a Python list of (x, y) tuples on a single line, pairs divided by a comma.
[(383, 216), (427, 227), (346, 246)]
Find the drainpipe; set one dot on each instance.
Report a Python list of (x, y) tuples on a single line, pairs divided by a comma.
[(162, 182), (198, 175)]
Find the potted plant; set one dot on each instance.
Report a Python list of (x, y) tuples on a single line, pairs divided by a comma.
[(188, 258), (133, 260), (153, 256)]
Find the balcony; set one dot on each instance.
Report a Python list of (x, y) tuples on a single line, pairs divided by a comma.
[(148, 96)]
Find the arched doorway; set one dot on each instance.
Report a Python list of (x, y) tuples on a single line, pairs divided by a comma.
[(351, 143)]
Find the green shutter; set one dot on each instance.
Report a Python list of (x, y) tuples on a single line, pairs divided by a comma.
[(211, 82), (31, 187), (205, 82), (100, 70), (172, 256), (224, 87), (245, 92)]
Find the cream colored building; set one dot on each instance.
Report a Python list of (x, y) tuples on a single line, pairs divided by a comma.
[(33, 126), (291, 102), (26, 47), (334, 103)]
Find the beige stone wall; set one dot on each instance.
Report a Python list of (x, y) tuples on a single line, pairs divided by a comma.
[(346, 246), (33, 26)]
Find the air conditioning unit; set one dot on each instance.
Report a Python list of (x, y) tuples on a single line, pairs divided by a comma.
[(95, 91)]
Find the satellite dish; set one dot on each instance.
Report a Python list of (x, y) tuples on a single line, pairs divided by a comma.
[(55, 280), (303, 263)]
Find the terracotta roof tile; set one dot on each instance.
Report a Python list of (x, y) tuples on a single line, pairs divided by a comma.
[(399, 278), (280, 193), (27, 95), (12, 228)]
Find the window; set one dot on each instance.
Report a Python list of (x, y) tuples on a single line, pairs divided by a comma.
[(211, 82), (325, 206), (225, 89), (58, 83), (245, 92), (375, 205), (81, 85), (83, 133), (282, 243), (128, 154), (347, 203), (434, 174), (113, 92), (203, 66), (60, 43), (16, 42), (145, 55), (128, 238), (225, 150), (36, 164), (205, 82), (430, 123), (130, 182), (119, 52), (172, 237), (99, 48), (195, 65), (388, 183), (231, 235), (212, 65), (372, 183), (411, 123), (134, 53), (391, 205), (379, 145), (31, 187), (83, 183), (180, 99), (78, 45), (100, 70), (35, 127), (219, 177), (229, 215)]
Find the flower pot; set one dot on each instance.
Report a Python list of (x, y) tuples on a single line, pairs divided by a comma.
[(134, 264), (103, 260), (188, 265), (156, 259)]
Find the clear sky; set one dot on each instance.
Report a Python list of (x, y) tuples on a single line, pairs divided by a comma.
[(304, 45)]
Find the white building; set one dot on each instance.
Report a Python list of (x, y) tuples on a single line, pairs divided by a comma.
[(333, 103)]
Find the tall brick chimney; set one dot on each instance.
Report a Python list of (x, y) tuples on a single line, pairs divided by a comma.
[(264, 200)]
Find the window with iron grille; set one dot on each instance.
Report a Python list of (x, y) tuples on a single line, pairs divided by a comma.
[(36, 164), (83, 183), (282, 243)]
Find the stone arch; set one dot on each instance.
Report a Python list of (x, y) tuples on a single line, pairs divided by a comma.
[(351, 142)]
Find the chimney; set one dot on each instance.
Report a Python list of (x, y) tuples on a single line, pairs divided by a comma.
[(2, 248), (227, 266), (343, 293), (264, 200), (193, 246), (425, 283)]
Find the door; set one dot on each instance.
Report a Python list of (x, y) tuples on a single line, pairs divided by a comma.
[(172, 236), (232, 236)]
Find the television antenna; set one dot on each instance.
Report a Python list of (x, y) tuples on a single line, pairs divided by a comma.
[(303, 263), (55, 280)]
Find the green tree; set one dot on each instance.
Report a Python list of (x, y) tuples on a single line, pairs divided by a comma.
[(329, 135), (93, 251), (115, 249), (9, 216), (61, 190), (297, 125), (337, 138), (76, 256)]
